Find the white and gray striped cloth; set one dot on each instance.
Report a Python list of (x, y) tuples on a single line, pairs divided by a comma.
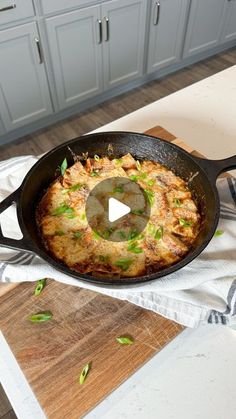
[(202, 292)]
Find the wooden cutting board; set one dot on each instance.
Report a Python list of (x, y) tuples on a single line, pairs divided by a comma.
[(84, 327)]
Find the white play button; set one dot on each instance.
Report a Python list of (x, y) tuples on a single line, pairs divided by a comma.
[(116, 209)]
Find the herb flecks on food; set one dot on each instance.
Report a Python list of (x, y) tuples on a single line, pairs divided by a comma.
[(134, 178), (77, 234), (159, 233), (59, 233), (185, 223), (137, 212), (84, 373), (122, 234), (64, 209), (96, 234), (94, 173), (132, 234), (218, 233), (123, 263), (118, 189), (177, 202), (125, 340), (41, 317), (40, 286), (73, 188), (150, 196), (104, 258), (63, 166), (133, 247)]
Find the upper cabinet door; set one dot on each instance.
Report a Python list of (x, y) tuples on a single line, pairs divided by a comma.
[(167, 28), (229, 30), (24, 93), (204, 26), (124, 24), (75, 46)]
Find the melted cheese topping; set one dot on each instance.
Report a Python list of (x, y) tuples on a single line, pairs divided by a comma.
[(172, 228)]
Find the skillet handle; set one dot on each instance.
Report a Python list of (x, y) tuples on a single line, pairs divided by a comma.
[(6, 241), (214, 168)]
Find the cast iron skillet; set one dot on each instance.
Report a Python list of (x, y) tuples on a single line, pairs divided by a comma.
[(141, 147)]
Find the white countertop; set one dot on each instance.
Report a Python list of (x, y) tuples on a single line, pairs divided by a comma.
[(194, 377)]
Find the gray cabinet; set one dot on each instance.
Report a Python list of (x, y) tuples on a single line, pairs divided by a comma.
[(229, 30), (2, 131), (124, 23), (95, 48), (75, 49), (167, 29), (13, 10), (24, 93), (204, 26)]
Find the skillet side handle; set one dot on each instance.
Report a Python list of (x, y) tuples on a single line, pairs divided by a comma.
[(214, 168), (6, 241)]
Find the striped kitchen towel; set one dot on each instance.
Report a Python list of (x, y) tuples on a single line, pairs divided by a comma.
[(202, 292)]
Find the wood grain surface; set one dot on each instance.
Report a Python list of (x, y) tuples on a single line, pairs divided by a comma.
[(83, 329)]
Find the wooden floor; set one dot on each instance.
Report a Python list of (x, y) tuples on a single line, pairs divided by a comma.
[(97, 116), (102, 114)]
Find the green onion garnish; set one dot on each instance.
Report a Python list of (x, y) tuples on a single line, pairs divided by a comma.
[(185, 223), (134, 248), (63, 166), (124, 264), (40, 286), (40, 317)]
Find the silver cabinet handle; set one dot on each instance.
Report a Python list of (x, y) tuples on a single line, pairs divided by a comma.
[(4, 9), (107, 28), (157, 10), (99, 31), (39, 50)]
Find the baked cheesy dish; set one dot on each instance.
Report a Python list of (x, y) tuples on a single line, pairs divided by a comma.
[(173, 220)]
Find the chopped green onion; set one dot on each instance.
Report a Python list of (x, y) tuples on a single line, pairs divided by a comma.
[(118, 189), (83, 216), (118, 161), (124, 264), (96, 157), (143, 175), (64, 166), (40, 317), (133, 234), (134, 248), (122, 234), (63, 209), (124, 340), (96, 234), (177, 202), (151, 229), (150, 196), (73, 188), (218, 233), (59, 233), (159, 233), (40, 286), (107, 233), (84, 373), (134, 178), (185, 223), (103, 258), (94, 173), (150, 182), (77, 235), (137, 212)]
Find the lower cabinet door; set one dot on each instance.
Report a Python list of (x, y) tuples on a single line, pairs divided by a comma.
[(75, 41), (24, 92), (167, 28), (229, 30), (124, 23)]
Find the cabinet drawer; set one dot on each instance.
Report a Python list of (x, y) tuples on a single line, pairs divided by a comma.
[(52, 6), (12, 10)]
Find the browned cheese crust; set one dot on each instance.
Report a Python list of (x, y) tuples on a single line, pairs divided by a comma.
[(172, 228)]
